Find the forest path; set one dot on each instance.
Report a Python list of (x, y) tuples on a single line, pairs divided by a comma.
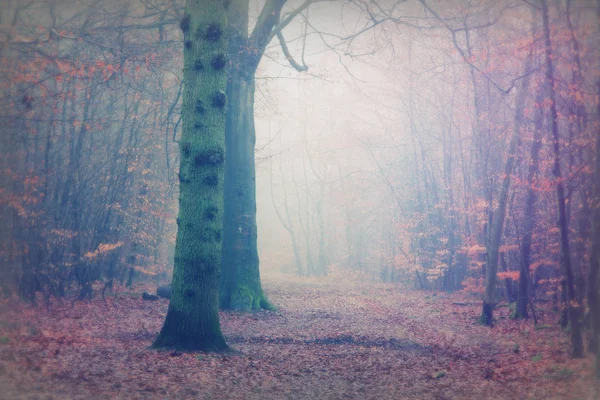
[(335, 338), (349, 339)]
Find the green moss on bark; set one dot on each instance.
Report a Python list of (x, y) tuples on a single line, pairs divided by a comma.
[(192, 321), (241, 288), (245, 299)]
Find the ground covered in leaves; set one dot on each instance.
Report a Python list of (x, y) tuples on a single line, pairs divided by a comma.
[(333, 338)]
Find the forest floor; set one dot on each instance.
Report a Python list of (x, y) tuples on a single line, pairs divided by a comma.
[(332, 338)]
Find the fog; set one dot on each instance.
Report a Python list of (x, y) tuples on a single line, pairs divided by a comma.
[(350, 124), (415, 147), (381, 144)]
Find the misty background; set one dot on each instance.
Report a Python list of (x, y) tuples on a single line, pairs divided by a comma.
[(386, 157)]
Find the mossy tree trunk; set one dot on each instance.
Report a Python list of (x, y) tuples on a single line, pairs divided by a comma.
[(240, 282), (192, 321)]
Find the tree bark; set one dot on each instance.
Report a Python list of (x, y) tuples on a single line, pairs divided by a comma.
[(572, 307), (240, 282), (192, 321), (593, 292), (497, 224), (529, 215), (240, 287)]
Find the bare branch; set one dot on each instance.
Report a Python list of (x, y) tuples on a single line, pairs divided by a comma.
[(454, 31), (261, 34), (288, 56)]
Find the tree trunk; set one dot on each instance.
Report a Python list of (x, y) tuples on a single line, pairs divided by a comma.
[(130, 276), (497, 223), (240, 287), (323, 259), (593, 292), (508, 284), (287, 222), (240, 282), (529, 215), (578, 122), (192, 321), (573, 309)]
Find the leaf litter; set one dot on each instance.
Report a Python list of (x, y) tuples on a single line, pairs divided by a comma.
[(331, 338)]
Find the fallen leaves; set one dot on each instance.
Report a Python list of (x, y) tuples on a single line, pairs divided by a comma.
[(331, 339)]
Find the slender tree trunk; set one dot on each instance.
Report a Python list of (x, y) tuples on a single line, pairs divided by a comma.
[(508, 283), (497, 223), (572, 307), (310, 264), (593, 292), (593, 289), (449, 280), (529, 214), (287, 222), (577, 125), (192, 321), (322, 258)]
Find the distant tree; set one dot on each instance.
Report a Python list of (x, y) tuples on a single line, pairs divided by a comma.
[(530, 212), (574, 309), (497, 223), (593, 289), (285, 218), (593, 293)]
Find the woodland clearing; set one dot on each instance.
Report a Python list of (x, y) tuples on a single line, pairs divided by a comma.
[(332, 338)]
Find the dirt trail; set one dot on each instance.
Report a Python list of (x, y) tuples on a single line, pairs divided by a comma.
[(332, 339)]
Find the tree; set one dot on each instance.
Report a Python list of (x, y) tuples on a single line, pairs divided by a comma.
[(565, 254), (86, 142), (593, 292), (240, 287), (286, 219), (497, 224), (529, 213), (192, 321), (483, 139), (240, 284)]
